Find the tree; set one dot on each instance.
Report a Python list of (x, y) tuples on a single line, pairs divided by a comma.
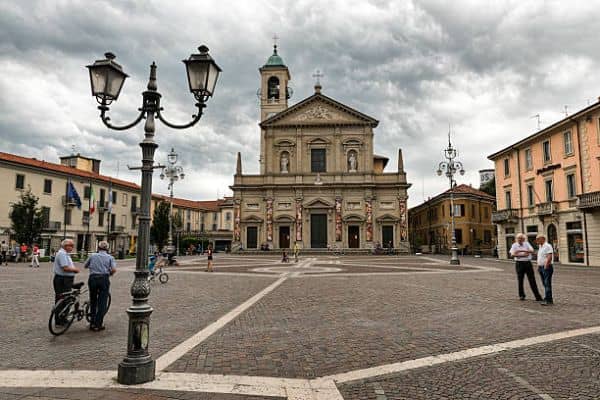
[(27, 218), (489, 187), (159, 231)]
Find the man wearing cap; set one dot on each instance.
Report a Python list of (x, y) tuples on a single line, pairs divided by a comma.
[(101, 265), (545, 267), (64, 273)]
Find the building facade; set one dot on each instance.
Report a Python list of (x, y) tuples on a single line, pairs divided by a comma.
[(549, 183), (431, 222), (320, 184)]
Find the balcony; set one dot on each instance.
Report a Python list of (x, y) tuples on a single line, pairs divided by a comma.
[(508, 215), (588, 201), (103, 206), (51, 226), (68, 201), (547, 208)]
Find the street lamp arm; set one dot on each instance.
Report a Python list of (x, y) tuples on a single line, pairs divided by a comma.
[(195, 118), (105, 119)]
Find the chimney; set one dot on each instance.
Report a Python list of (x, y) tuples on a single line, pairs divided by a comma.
[(400, 161), (238, 168)]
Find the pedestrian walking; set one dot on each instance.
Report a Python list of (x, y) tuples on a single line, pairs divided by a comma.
[(101, 265), (35, 256), (209, 253), (521, 250), (17, 252), (24, 249), (4, 248), (64, 274), (545, 267)]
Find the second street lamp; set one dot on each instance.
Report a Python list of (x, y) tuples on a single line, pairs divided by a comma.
[(106, 79), (173, 173), (450, 168)]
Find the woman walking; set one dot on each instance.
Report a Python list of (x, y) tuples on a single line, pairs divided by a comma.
[(209, 253)]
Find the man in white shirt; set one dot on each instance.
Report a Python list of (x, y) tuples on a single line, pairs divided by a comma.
[(521, 250), (545, 267)]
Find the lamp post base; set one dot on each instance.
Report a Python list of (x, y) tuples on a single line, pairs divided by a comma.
[(454, 260), (136, 373)]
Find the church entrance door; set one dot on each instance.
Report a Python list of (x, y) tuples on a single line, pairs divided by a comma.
[(251, 237), (387, 235), (318, 231), (353, 237), (284, 237)]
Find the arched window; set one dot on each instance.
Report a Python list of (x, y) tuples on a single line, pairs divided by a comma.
[(273, 88)]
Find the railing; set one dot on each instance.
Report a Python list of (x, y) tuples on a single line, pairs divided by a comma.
[(547, 208), (504, 215), (51, 226), (589, 200), (68, 201)]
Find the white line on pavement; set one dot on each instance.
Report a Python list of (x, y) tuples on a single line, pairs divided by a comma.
[(457, 356), (178, 351), (525, 384)]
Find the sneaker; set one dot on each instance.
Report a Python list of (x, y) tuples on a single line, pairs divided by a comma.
[(522, 298), (547, 303)]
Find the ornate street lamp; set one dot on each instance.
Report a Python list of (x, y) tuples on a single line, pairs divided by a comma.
[(450, 168), (107, 78), (173, 173)]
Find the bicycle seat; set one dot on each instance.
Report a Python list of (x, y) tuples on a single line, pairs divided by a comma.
[(78, 285)]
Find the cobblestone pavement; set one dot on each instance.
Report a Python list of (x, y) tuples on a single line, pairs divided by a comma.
[(371, 312)]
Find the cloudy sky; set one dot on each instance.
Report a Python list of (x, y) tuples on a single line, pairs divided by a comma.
[(484, 68)]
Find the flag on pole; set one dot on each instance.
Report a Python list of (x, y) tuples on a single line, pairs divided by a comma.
[(110, 196), (72, 194), (92, 200)]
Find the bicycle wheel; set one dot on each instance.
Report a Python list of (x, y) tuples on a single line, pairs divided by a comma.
[(163, 277), (66, 312)]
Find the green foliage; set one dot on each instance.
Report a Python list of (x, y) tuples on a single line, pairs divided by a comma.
[(159, 231), (27, 219), (489, 187)]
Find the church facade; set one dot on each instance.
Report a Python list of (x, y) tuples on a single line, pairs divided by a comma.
[(320, 184)]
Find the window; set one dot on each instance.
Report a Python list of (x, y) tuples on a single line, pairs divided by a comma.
[(459, 210), (458, 235), (508, 200), (252, 206), (102, 197), (86, 192), (188, 226), (228, 216), (473, 210), (133, 203), (133, 222), (530, 195), (46, 216), (188, 214), (215, 216), (214, 227), (532, 231), (568, 142), (487, 236), (20, 184), (48, 186), (571, 190), (68, 216), (546, 151), (317, 160), (124, 199), (114, 197), (528, 160), (100, 218), (485, 212), (202, 227), (506, 167), (548, 185)]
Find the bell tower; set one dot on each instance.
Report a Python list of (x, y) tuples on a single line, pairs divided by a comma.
[(274, 90)]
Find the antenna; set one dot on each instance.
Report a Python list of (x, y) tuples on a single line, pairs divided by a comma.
[(566, 110), (539, 121)]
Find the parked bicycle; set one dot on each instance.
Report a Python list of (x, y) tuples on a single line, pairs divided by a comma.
[(69, 308)]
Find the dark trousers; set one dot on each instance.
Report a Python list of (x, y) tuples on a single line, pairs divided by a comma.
[(62, 284), (99, 286), (546, 274), (525, 268)]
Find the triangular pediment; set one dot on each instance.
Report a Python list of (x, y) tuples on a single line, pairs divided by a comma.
[(319, 110), (387, 217), (252, 218), (318, 203)]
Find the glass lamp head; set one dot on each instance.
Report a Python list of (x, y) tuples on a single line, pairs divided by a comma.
[(172, 156), (202, 72), (106, 78)]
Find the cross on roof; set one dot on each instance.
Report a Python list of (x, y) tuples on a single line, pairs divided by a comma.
[(318, 75), (275, 39)]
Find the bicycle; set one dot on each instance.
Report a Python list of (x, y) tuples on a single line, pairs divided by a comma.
[(68, 308), (163, 277)]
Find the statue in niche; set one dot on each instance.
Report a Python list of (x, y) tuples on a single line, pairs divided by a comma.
[(352, 162), (285, 161)]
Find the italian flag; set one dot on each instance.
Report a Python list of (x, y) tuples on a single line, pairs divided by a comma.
[(92, 201)]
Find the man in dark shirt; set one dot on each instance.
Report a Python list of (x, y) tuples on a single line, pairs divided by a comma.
[(101, 265)]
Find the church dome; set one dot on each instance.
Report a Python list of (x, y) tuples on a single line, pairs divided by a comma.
[(275, 60)]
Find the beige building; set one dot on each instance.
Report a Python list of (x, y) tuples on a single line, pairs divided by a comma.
[(431, 222), (549, 182), (320, 184), (117, 205)]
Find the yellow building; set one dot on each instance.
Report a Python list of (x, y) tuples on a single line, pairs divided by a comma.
[(430, 223)]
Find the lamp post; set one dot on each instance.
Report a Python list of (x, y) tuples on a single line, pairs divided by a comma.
[(107, 78), (450, 168), (173, 173)]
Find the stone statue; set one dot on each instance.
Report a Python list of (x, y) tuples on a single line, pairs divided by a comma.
[(352, 162), (284, 162)]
